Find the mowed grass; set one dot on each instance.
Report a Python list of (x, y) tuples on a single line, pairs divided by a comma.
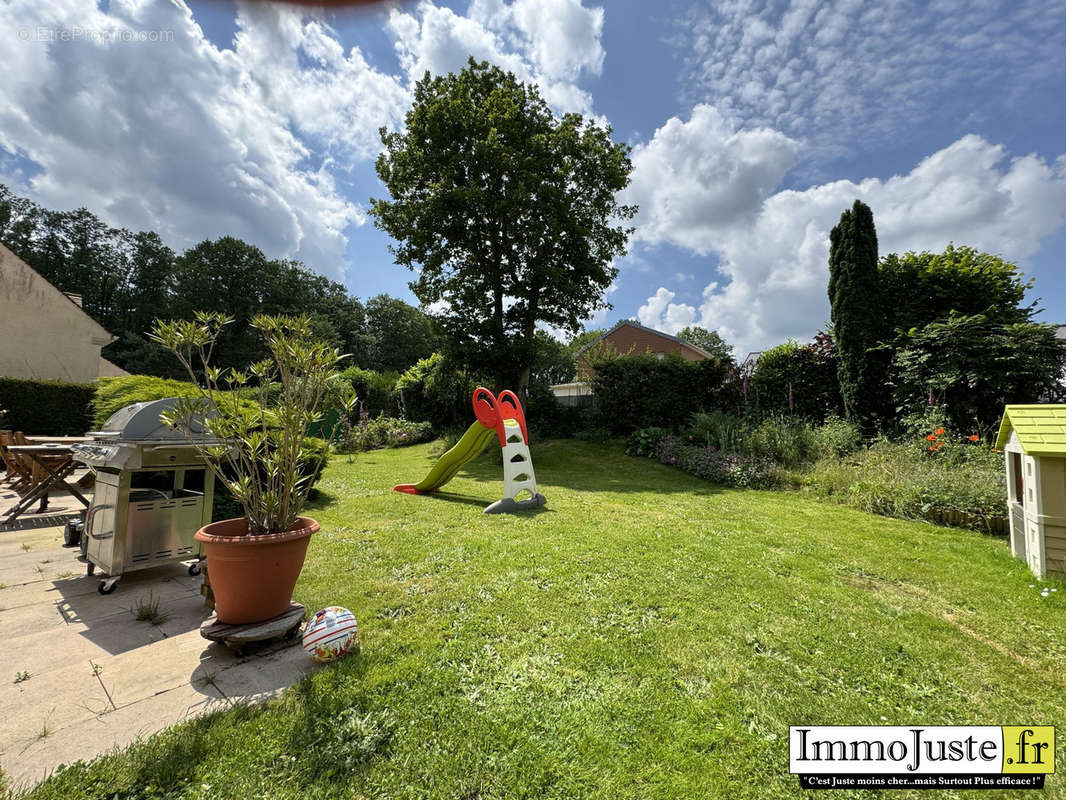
[(645, 636)]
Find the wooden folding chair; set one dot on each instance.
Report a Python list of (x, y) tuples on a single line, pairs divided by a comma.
[(17, 474)]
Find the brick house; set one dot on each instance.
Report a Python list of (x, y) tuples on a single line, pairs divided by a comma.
[(625, 338)]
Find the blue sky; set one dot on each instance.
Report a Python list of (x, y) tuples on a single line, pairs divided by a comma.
[(754, 124)]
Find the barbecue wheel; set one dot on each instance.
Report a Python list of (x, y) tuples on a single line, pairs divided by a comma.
[(194, 569), (105, 589)]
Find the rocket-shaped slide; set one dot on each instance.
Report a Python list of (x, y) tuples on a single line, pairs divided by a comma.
[(476, 439)]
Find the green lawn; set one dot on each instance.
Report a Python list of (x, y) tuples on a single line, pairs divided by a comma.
[(645, 636)]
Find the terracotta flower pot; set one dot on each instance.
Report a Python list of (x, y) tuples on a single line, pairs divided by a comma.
[(253, 576)]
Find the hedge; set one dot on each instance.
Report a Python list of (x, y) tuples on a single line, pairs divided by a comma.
[(46, 408), (634, 392), (114, 394)]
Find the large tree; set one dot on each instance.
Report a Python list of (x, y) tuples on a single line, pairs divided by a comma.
[(858, 315), (507, 212)]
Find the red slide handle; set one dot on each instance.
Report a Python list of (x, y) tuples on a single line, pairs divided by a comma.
[(491, 411), (510, 408), (487, 411)]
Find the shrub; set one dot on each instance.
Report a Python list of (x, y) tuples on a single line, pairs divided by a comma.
[(640, 391), (436, 391), (838, 437), (798, 379), (785, 441), (384, 432), (46, 407), (114, 394), (900, 480), (646, 442), (726, 469), (376, 390), (717, 429)]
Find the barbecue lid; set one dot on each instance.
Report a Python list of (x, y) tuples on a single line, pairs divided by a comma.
[(140, 422)]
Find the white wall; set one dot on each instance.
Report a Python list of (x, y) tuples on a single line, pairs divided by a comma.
[(43, 335)]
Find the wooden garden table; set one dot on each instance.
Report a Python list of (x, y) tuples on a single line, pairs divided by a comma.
[(57, 463)]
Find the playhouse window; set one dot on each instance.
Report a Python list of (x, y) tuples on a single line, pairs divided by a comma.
[(1014, 479)]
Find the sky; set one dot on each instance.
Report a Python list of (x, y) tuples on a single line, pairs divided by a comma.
[(752, 123)]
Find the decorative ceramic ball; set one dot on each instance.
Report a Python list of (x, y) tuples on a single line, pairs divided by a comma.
[(330, 633)]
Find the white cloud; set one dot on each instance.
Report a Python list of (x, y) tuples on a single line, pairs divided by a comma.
[(840, 72), (776, 262), (552, 43), (695, 179), (188, 139)]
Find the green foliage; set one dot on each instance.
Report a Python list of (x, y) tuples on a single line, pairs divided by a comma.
[(494, 198), (902, 480), (718, 429), (582, 340), (919, 288), (641, 390), (708, 341), (435, 390), (114, 394), (373, 434), (398, 334), (726, 469), (376, 390), (646, 442), (838, 437), (784, 441), (857, 312), (127, 280), (973, 367), (46, 408), (797, 379), (261, 457)]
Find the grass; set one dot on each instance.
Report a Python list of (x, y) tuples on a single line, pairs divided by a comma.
[(645, 636), (148, 610), (22, 677)]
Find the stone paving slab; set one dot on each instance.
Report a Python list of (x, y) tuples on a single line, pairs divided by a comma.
[(99, 678)]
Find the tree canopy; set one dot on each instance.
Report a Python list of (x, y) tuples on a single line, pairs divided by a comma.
[(709, 341), (127, 280), (507, 212)]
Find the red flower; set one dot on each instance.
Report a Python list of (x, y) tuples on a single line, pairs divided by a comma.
[(931, 437), (932, 448), (939, 431), (974, 438)]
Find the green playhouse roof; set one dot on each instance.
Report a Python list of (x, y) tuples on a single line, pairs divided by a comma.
[(1041, 429)]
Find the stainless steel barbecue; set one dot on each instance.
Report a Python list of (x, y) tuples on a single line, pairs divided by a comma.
[(153, 492)]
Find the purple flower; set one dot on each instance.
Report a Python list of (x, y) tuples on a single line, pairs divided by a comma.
[(791, 400), (931, 400)]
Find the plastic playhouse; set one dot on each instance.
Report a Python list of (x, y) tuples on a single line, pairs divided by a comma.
[(499, 418), (1033, 441)]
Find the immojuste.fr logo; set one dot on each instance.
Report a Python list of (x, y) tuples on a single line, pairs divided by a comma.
[(934, 757)]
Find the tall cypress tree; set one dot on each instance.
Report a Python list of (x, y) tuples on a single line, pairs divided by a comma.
[(855, 310)]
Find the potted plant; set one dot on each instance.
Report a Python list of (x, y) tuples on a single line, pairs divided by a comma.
[(258, 420)]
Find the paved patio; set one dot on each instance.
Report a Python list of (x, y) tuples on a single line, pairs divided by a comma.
[(98, 677)]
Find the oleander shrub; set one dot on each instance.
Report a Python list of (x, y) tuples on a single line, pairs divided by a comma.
[(46, 408)]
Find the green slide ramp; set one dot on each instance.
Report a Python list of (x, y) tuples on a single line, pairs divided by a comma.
[(476, 439)]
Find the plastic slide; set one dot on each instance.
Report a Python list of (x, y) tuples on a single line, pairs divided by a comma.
[(476, 439)]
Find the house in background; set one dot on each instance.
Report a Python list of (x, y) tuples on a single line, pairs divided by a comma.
[(625, 338), (44, 333)]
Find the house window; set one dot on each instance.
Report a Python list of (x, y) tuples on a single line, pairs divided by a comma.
[(660, 356)]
